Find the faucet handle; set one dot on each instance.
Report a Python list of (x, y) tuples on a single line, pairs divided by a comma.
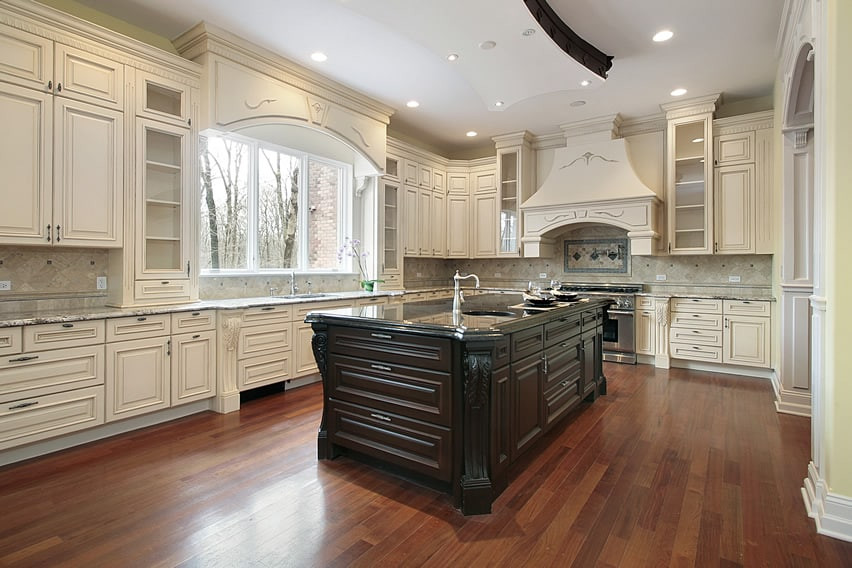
[(272, 291), (461, 296)]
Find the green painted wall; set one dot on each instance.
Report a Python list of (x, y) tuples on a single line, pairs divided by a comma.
[(109, 22)]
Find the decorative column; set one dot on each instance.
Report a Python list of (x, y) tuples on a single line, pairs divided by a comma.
[(476, 486), (661, 356), (319, 345), (228, 395)]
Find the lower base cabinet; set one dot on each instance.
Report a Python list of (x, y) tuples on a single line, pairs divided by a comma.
[(138, 374), (193, 373), (528, 419)]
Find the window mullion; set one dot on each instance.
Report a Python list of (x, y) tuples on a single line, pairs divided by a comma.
[(253, 200)]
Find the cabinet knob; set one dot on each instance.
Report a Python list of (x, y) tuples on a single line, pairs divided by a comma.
[(58, 87), (50, 85)]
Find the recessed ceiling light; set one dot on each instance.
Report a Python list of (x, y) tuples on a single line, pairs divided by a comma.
[(499, 103), (697, 140), (452, 57), (488, 44), (663, 35), (471, 133), (528, 32), (585, 83), (679, 92), (412, 104), (576, 103), (319, 56)]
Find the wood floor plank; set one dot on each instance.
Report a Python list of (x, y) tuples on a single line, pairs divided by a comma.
[(671, 467)]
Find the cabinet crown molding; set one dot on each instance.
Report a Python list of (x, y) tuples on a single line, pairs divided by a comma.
[(744, 123), (689, 107)]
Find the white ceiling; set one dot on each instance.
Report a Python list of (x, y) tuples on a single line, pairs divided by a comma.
[(395, 51)]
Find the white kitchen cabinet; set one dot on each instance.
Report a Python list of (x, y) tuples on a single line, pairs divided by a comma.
[(645, 334), (438, 224), (138, 373), (734, 209), (304, 362), (264, 346), (458, 225), (63, 161), (747, 333), (63, 148), (193, 366), (163, 99), (485, 211), (411, 227), (733, 149), (458, 182), (390, 200), (424, 221)]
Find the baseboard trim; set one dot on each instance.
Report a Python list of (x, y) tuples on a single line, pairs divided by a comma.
[(741, 370), (832, 513), (790, 402), (36, 449)]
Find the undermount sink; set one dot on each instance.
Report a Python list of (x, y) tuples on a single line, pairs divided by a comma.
[(490, 313)]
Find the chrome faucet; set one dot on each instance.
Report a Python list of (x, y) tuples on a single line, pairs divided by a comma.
[(293, 287), (458, 297)]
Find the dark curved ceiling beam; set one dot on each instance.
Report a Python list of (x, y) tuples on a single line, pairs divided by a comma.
[(582, 51)]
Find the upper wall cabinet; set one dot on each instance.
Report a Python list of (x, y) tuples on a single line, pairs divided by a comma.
[(248, 85), (63, 149), (162, 99), (689, 175)]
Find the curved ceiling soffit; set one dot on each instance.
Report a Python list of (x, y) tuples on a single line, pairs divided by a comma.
[(579, 49)]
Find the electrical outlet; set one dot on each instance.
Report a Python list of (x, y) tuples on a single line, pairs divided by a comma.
[(734, 279), (661, 277), (542, 274), (101, 283), (5, 285), (419, 274), (498, 274)]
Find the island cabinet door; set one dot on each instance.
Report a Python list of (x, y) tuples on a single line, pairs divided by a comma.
[(528, 422), (588, 354), (501, 423), (561, 380)]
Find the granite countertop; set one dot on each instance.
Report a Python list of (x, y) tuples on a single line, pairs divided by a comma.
[(9, 318), (484, 313)]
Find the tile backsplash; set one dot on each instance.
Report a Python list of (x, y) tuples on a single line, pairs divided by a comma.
[(48, 272)]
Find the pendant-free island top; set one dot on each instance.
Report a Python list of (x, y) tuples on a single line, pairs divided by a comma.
[(454, 396)]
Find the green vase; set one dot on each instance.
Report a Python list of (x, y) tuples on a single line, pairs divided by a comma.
[(367, 285)]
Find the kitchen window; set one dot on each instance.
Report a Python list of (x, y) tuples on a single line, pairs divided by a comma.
[(266, 208)]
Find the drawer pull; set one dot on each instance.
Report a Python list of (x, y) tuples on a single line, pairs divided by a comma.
[(196, 313), (695, 347), (380, 417), (23, 405), (746, 302), (164, 282), (381, 368), (267, 309), (196, 336), (381, 336), (695, 331), (67, 325), (24, 358), (142, 319)]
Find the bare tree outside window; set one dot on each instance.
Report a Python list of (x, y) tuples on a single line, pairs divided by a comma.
[(224, 190), (267, 208)]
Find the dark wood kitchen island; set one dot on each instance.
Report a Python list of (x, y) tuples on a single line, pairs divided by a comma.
[(453, 398)]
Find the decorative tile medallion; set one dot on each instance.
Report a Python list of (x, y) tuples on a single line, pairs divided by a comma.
[(597, 255)]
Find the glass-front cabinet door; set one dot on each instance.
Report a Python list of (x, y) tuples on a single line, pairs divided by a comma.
[(690, 185), (162, 211), (390, 209), (509, 170)]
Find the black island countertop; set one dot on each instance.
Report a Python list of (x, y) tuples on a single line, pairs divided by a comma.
[(454, 398), (485, 314)]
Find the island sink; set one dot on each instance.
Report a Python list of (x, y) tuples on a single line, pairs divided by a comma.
[(453, 398)]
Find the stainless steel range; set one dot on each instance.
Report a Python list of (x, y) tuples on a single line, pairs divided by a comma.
[(619, 341)]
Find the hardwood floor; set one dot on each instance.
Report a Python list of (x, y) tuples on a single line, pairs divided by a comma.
[(671, 468)]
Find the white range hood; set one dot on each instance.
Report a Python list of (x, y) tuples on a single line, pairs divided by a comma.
[(591, 182)]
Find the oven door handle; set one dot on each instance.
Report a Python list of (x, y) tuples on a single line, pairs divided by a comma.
[(620, 312)]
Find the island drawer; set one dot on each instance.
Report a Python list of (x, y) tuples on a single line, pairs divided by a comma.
[(415, 445), (561, 363), (391, 347), (501, 353), (560, 400), (561, 329), (61, 335), (10, 340), (527, 342), (189, 322), (409, 391), (703, 305), (592, 318)]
